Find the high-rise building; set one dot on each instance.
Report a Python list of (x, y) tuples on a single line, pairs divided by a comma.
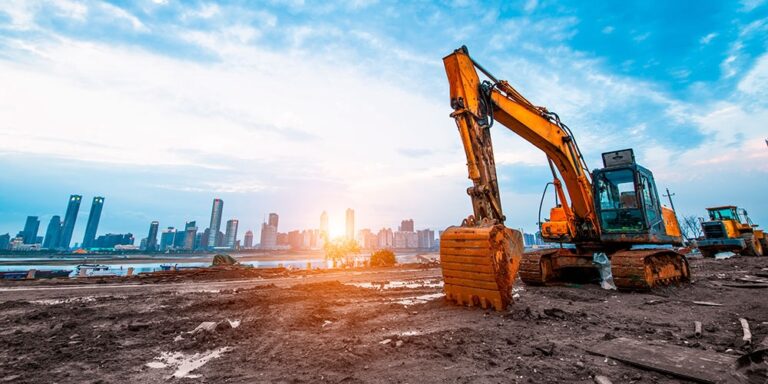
[(30, 230), (268, 236), (324, 224), (110, 240), (215, 227), (230, 238), (295, 240), (426, 238), (248, 239), (69, 221), (190, 233), (273, 218), (350, 224), (203, 244), (166, 239), (385, 238), (53, 233), (406, 226), (93, 221), (5, 241), (152, 237)]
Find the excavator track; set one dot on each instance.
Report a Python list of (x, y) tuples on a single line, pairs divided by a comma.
[(536, 267), (479, 264), (646, 269)]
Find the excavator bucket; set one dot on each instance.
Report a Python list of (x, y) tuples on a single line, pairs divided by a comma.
[(480, 264)]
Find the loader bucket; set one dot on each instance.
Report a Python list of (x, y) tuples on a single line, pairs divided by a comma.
[(480, 264)]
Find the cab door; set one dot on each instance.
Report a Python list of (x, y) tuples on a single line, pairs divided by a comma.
[(650, 202)]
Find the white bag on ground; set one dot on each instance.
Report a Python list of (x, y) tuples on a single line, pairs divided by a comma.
[(603, 264)]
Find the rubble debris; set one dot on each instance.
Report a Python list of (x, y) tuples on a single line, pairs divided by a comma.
[(602, 380), (185, 364), (687, 363), (224, 260), (205, 326), (747, 338), (708, 303)]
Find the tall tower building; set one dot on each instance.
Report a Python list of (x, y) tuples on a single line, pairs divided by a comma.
[(324, 224), (268, 236), (30, 229), (350, 224), (190, 232), (230, 238), (53, 233), (69, 221), (248, 239), (152, 236), (273, 219), (93, 222), (215, 227), (406, 226)]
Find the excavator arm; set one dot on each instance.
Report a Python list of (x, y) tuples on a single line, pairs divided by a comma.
[(476, 106)]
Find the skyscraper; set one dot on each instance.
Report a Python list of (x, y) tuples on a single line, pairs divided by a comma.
[(166, 239), (93, 222), (406, 225), (152, 236), (215, 227), (248, 239), (268, 236), (30, 230), (273, 218), (53, 233), (190, 232), (230, 238), (69, 221), (350, 224), (5, 241), (324, 224)]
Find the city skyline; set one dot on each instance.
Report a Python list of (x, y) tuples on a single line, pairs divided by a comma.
[(184, 236)]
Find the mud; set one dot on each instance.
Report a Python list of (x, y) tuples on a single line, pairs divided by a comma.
[(382, 326)]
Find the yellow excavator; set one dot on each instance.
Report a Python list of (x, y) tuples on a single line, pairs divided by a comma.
[(611, 211)]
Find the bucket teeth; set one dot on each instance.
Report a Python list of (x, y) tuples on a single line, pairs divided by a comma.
[(480, 264)]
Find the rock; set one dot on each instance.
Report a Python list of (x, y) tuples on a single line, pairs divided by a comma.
[(602, 380), (608, 336), (385, 341), (398, 343)]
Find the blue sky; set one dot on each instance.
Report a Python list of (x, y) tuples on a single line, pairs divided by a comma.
[(298, 107)]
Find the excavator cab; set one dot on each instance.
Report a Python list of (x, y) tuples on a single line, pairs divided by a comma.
[(627, 203)]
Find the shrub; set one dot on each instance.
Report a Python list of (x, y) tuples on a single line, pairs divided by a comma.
[(383, 258)]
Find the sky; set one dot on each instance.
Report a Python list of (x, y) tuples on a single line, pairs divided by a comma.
[(296, 107)]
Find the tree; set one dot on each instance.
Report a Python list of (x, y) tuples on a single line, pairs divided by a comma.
[(383, 258), (341, 251), (691, 227)]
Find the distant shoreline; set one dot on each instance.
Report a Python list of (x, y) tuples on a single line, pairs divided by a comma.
[(244, 256)]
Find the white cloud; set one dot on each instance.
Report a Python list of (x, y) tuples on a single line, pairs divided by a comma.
[(750, 5), (115, 104), (708, 38), (755, 82), (608, 29), (121, 14)]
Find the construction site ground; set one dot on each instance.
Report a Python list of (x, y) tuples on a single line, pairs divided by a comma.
[(385, 325)]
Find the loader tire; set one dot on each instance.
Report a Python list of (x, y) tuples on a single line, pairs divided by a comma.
[(754, 248)]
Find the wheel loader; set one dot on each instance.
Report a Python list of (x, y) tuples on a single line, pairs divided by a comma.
[(606, 211), (729, 229)]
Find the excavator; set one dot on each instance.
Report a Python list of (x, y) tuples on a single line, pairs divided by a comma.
[(613, 211)]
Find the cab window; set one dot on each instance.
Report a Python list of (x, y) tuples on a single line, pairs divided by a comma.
[(619, 207)]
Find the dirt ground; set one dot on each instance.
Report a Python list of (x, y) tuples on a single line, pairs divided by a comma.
[(338, 327)]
